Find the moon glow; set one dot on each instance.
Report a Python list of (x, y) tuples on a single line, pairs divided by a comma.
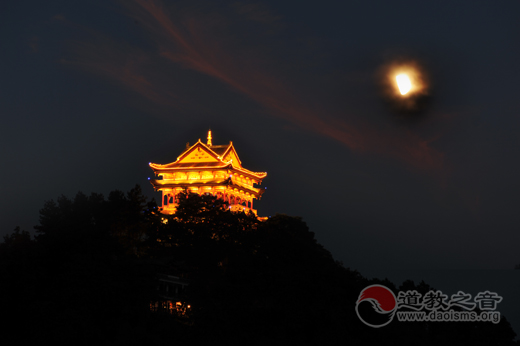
[(405, 86)]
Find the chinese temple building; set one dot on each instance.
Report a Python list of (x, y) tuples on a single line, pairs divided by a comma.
[(204, 168)]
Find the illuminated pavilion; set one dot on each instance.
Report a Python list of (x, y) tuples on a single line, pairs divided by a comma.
[(208, 169)]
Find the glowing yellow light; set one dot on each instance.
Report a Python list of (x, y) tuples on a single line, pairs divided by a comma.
[(201, 165), (404, 84)]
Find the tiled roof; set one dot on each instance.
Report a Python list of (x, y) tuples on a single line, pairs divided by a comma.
[(219, 149)]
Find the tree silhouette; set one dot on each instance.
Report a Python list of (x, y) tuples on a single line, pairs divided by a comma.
[(90, 275)]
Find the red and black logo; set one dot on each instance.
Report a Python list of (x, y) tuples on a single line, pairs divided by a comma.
[(376, 306)]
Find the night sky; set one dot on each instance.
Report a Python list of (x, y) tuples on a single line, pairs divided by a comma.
[(92, 91)]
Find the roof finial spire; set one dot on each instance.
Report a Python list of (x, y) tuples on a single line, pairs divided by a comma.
[(209, 139)]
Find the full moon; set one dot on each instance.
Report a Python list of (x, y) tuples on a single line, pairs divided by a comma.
[(404, 84)]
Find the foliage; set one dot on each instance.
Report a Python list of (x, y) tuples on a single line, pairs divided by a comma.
[(88, 278)]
